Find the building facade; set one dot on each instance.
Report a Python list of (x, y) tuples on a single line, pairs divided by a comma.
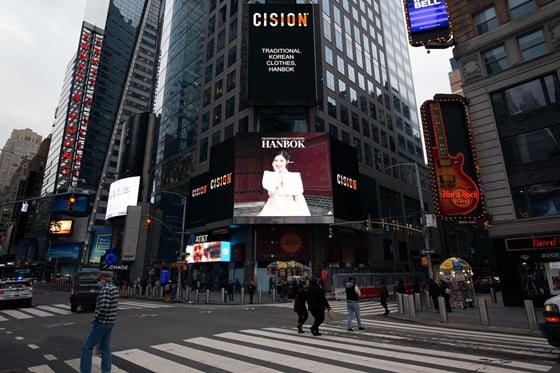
[(508, 53), (364, 98)]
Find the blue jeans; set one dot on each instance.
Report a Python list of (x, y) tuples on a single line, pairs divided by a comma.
[(353, 308), (99, 334)]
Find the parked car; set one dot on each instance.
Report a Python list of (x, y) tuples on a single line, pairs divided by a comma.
[(484, 283), (551, 326), (16, 292), (84, 290)]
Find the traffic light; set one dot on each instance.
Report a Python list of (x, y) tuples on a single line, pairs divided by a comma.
[(148, 223), (367, 224), (71, 201), (330, 232)]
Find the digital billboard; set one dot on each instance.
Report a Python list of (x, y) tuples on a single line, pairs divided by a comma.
[(427, 21), (454, 176), (217, 251), (60, 227), (283, 178), (61, 203), (122, 193), (277, 178), (281, 56)]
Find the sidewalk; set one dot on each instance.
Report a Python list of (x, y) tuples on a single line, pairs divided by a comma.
[(501, 319)]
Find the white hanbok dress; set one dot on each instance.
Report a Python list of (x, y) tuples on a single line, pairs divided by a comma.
[(285, 195)]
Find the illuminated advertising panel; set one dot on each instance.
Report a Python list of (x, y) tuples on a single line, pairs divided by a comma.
[(281, 56), (61, 203), (197, 201), (101, 243), (427, 21), (122, 193), (283, 178), (60, 227), (454, 176), (203, 252)]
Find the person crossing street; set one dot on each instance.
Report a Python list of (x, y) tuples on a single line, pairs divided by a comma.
[(353, 303)]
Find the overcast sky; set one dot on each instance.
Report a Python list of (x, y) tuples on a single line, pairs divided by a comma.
[(38, 38)]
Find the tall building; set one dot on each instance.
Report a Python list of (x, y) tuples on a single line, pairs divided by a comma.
[(21, 143), (111, 76), (508, 52), (356, 89)]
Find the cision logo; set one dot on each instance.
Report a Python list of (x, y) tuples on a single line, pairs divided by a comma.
[(274, 19)]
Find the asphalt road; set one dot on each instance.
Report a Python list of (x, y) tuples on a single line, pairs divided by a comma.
[(154, 336)]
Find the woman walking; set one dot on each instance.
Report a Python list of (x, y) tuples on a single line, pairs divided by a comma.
[(299, 306), (317, 304)]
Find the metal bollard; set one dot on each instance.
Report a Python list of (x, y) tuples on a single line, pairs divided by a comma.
[(483, 311), (442, 310), (400, 304), (273, 295), (411, 305), (493, 295), (531, 316), (418, 302), (260, 297), (242, 295), (428, 300), (223, 295), (207, 296)]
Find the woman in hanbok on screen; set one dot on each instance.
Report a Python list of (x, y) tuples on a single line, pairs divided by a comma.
[(285, 189)]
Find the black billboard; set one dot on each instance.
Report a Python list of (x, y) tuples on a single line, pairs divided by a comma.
[(345, 174), (454, 176), (281, 57)]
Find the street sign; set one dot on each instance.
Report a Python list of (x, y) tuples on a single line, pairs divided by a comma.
[(426, 252)]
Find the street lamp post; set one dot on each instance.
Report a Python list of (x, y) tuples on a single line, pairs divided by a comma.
[(44, 257), (182, 240), (426, 250)]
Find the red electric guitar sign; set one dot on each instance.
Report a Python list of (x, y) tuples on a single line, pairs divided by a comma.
[(458, 193)]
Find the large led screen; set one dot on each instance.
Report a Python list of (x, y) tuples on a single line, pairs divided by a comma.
[(217, 251), (427, 21), (454, 176), (283, 178), (281, 55)]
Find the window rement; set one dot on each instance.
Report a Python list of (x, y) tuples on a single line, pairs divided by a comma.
[(519, 8), (495, 60), (485, 21), (532, 45)]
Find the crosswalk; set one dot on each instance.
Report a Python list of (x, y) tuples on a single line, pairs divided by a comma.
[(64, 309), (339, 307), (385, 346)]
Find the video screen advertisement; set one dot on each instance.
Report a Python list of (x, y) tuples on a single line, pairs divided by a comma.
[(427, 21), (281, 56), (277, 178), (454, 177)]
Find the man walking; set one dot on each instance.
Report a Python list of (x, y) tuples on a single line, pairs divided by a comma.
[(352, 303), (383, 295), (102, 325)]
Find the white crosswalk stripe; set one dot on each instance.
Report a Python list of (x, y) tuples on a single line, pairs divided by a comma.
[(281, 349), (367, 308), (64, 309)]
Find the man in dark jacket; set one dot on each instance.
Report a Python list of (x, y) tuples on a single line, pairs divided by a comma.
[(383, 295), (102, 325), (317, 304), (353, 303), (433, 290)]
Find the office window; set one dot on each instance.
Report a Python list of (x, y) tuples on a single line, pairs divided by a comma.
[(222, 15), (230, 107), (207, 96), (333, 131), (365, 128), (208, 73), (211, 25), (344, 114), (243, 125), (342, 89), (358, 147), (217, 114), (219, 65), (532, 45), (495, 60), (233, 30), (329, 56), (363, 104), (331, 106), (218, 89), (319, 125), (233, 7), (368, 159), (215, 138), (232, 56), (205, 122), (228, 132), (330, 81), (203, 155), (345, 137), (378, 159), (221, 40), (355, 122), (230, 81), (485, 20), (210, 49), (519, 8)]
